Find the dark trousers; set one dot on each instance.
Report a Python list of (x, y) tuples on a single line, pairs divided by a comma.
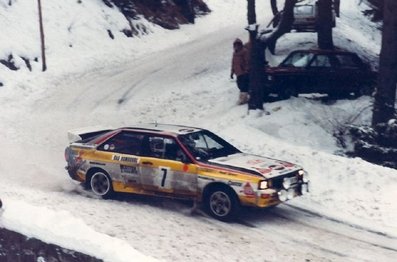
[(243, 82)]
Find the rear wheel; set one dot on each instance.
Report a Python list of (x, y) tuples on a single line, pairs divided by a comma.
[(222, 203), (365, 89), (101, 184)]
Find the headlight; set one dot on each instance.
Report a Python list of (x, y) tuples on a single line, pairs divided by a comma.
[(282, 195), (304, 175), (286, 183), (263, 184)]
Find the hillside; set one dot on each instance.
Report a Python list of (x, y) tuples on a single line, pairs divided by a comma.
[(65, 28)]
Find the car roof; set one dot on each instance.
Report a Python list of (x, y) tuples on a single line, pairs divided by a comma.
[(163, 128), (305, 2), (323, 51)]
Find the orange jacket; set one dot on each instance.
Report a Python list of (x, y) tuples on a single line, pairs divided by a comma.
[(240, 64)]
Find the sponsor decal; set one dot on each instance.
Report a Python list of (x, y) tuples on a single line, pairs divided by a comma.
[(203, 169), (276, 167), (132, 160), (263, 170), (286, 164), (97, 163), (206, 178), (128, 169), (248, 190), (254, 161), (233, 183)]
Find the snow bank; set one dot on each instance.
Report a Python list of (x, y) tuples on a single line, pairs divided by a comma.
[(61, 228)]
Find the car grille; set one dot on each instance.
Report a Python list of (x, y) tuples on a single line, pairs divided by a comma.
[(277, 182)]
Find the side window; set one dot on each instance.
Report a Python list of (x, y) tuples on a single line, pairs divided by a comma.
[(165, 148), (347, 61), (321, 61), (124, 143), (298, 59)]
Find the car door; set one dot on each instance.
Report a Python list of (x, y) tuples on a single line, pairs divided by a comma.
[(321, 74), (165, 168), (349, 72), (121, 153)]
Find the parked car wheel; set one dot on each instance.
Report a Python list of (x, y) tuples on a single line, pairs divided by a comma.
[(222, 203), (288, 92), (364, 90), (367, 89), (101, 184)]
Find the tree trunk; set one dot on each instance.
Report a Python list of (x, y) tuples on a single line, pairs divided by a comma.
[(284, 26), (42, 39), (273, 4), (257, 61), (257, 72), (385, 96), (324, 24), (251, 13)]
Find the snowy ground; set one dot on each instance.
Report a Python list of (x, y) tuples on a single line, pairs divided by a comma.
[(181, 77)]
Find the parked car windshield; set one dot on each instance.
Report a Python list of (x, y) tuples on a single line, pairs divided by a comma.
[(204, 145), (297, 59), (304, 11)]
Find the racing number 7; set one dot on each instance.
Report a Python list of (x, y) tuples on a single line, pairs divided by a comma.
[(164, 176)]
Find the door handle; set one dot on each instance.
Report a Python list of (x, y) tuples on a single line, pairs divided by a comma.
[(147, 163)]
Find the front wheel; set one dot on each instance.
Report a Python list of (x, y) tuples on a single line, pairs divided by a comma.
[(222, 204), (288, 92), (101, 184)]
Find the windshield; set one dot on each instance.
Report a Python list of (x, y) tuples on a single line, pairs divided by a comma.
[(303, 11), (204, 145), (297, 59)]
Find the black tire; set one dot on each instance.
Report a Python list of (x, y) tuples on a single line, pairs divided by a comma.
[(366, 90), (288, 92), (222, 204), (101, 184)]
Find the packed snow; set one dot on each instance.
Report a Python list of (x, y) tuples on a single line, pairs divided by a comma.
[(180, 77)]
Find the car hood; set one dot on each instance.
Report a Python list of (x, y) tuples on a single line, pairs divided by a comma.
[(263, 166)]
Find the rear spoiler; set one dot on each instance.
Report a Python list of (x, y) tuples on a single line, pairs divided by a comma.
[(87, 132)]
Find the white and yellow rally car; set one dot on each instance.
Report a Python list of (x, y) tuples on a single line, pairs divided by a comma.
[(181, 162)]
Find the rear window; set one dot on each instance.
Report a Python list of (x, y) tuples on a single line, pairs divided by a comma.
[(304, 11), (348, 61)]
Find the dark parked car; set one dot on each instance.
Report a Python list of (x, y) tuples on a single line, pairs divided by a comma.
[(333, 72)]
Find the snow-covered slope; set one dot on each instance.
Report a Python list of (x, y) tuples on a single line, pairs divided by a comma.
[(181, 77)]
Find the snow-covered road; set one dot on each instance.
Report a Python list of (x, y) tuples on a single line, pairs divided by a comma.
[(349, 216)]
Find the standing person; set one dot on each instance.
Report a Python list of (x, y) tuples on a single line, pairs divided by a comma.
[(240, 68)]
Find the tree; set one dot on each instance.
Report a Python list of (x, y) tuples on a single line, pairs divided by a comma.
[(324, 24), (285, 18), (385, 95), (257, 60), (284, 21)]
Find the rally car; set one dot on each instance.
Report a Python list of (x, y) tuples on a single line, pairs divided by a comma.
[(181, 162)]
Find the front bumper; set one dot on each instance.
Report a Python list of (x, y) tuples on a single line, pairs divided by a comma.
[(271, 196), (74, 173)]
